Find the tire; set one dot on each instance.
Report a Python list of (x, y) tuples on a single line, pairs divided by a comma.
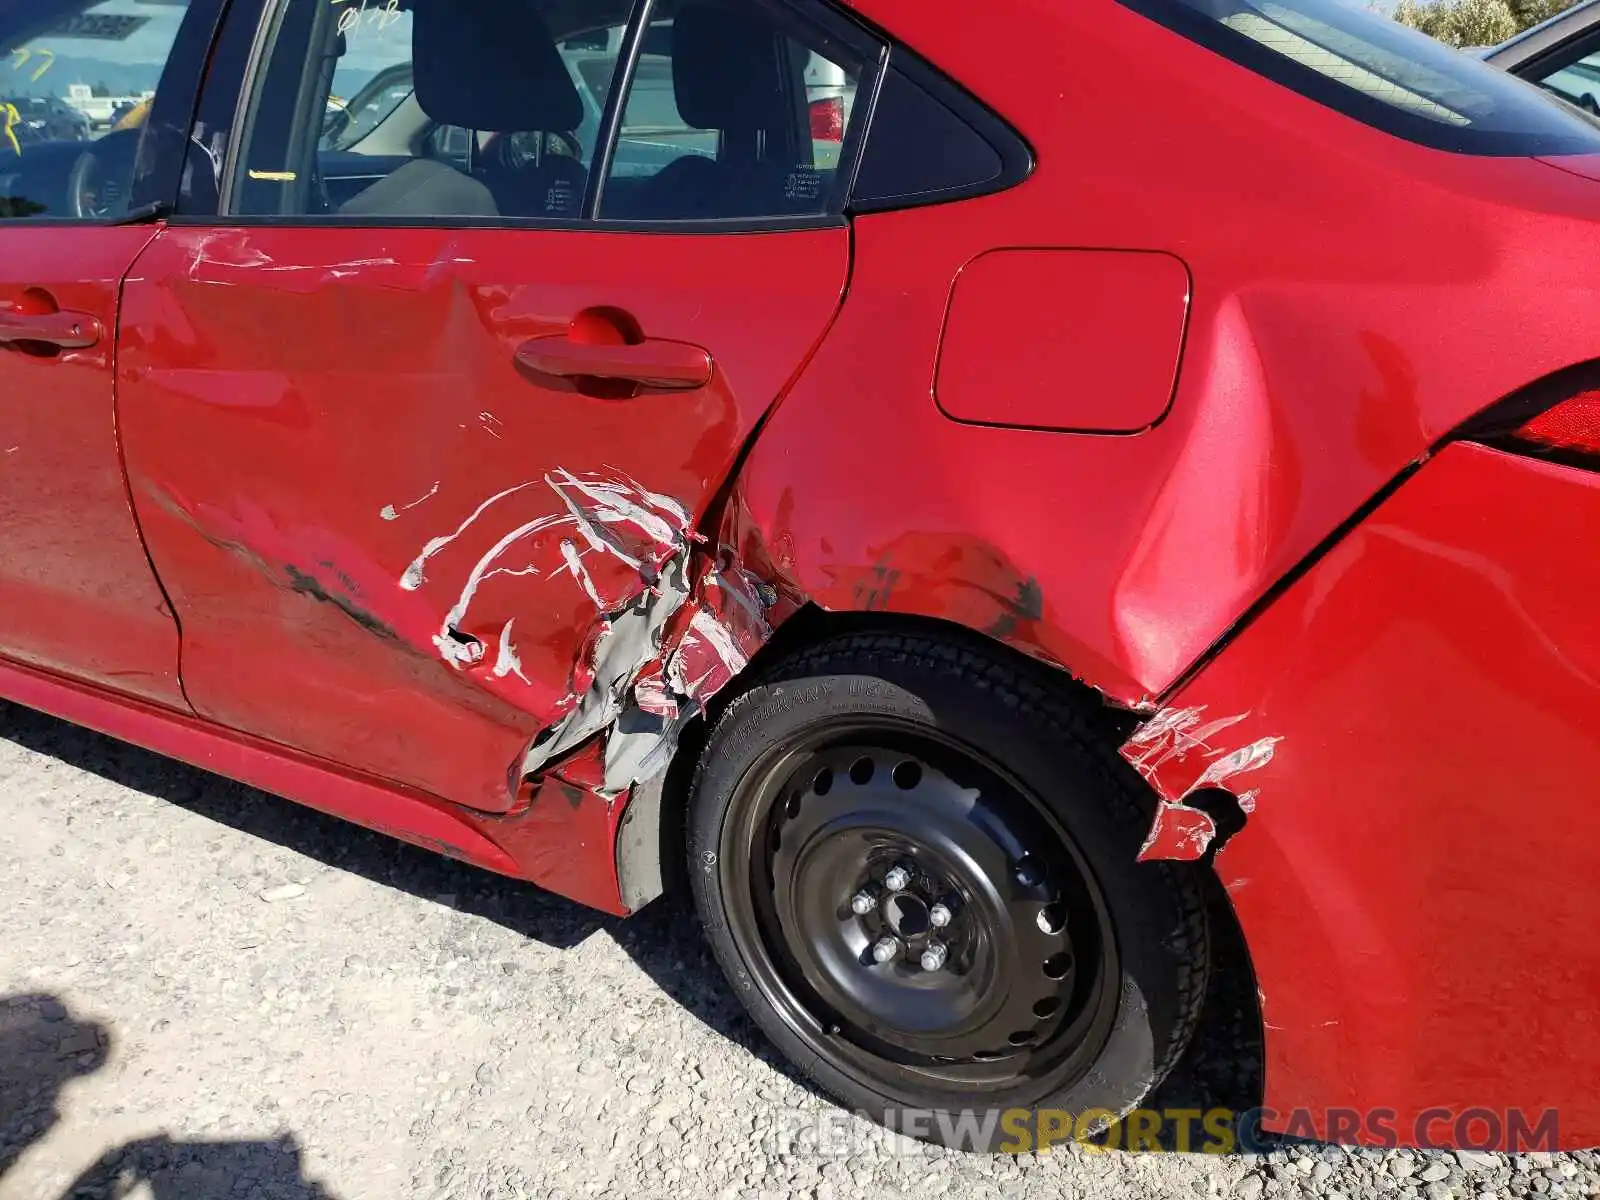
[(992, 794)]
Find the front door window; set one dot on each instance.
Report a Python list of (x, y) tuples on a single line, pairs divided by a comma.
[(77, 83)]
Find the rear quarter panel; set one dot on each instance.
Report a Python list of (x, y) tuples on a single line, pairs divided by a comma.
[(1355, 297)]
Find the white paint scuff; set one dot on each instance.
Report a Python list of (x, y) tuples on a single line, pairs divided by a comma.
[(414, 576), (506, 661), (1181, 832), (390, 512), (574, 560), (452, 650)]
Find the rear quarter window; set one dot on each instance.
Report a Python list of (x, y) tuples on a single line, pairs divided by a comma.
[(1381, 73)]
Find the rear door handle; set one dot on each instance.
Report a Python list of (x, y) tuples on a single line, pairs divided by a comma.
[(64, 330), (654, 362)]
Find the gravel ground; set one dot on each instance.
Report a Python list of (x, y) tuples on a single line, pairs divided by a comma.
[(207, 992)]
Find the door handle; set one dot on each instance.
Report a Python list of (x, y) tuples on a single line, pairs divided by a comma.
[(653, 362), (64, 330)]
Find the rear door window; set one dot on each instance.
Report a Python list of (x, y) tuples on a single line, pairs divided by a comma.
[(736, 111), (733, 110), (432, 111)]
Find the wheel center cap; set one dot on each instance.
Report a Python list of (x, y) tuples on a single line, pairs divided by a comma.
[(907, 915)]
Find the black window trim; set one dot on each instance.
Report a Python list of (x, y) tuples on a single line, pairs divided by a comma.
[(1016, 155), (218, 102), (828, 20), (269, 17), (616, 104)]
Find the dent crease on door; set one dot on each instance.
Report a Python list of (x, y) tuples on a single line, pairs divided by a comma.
[(671, 624)]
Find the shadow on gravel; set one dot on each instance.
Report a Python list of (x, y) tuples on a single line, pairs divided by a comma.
[(43, 1048), (177, 1170), (539, 915), (664, 939), (665, 942), (1222, 1069)]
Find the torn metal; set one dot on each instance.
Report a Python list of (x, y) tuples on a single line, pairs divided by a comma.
[(1178, 834), (1167, 750), (668, 633)]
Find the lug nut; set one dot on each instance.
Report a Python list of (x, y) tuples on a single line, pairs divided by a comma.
[(885, 949), (862, 903), (939, 916), (897, 880), (933, 956)]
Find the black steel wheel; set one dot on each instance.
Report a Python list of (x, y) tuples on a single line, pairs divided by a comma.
[(918, 915), (918, 867)]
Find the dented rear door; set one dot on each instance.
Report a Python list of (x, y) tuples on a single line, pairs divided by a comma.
[(390, 507)]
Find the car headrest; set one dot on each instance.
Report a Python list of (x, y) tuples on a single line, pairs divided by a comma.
[(727, 69), (491, 66)]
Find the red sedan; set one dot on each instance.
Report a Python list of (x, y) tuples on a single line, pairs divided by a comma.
[(966, 487)]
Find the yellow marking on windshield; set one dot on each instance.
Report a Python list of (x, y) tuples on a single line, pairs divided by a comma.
[(22, 56), (274, 176), (13, 119)]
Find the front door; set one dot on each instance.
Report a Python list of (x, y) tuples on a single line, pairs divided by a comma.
[(398, 458), (77, 595)]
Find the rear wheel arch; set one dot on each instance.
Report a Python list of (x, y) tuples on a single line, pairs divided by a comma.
[(983, 676), (812, 624), (662, 806), (650, 838)]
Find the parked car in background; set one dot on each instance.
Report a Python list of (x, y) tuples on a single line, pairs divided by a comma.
[(45, 118), (350, 120), (1561, 55), (1007, 537)]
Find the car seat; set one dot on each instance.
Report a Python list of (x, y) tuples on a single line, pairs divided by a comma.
[(732, 72), (490, 67)]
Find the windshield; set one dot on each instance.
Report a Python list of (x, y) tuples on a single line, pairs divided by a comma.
[(1391, 77), (81, 71)]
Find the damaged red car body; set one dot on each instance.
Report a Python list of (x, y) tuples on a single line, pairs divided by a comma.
[(1249, 420)]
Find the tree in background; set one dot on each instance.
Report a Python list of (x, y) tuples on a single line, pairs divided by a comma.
[(1475, 22)]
